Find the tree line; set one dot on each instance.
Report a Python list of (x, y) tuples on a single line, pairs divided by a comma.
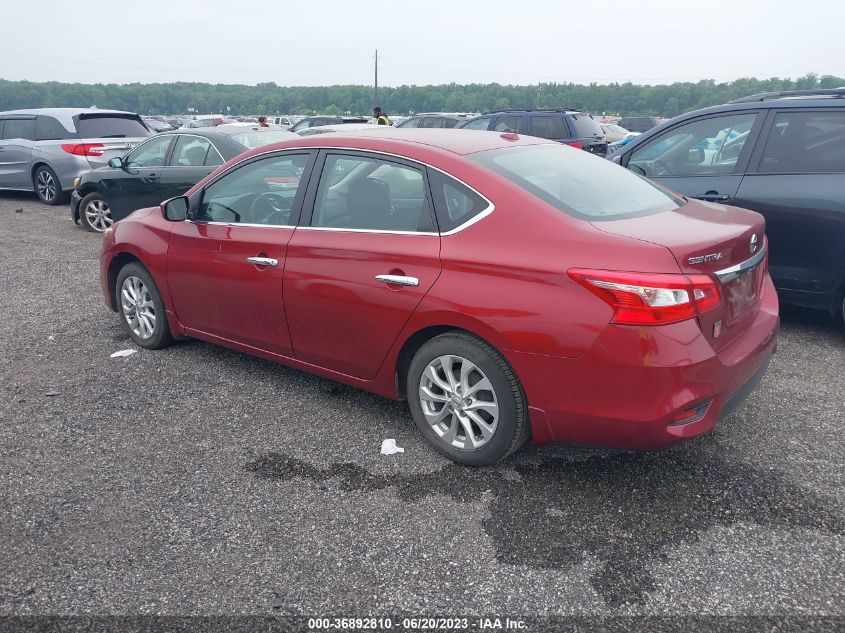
[(269, 98)]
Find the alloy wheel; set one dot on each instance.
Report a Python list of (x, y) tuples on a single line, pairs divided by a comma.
[(459, 402), (46, 185), (138, 307), (98, 215)]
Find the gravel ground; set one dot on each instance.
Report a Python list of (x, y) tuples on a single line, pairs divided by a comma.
[(197, 480)]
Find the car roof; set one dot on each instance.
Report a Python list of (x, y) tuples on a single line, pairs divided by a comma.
[(64, 115), (401, 140)]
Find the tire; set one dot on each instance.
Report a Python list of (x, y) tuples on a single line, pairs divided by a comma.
[(47, 186), (94, 213), (437, 410), (134, 287)]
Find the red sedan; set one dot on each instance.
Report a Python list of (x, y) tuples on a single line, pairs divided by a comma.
[(507, 287)]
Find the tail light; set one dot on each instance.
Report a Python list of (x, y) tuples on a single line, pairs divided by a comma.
[(650, 299), (85, 149), (576, 144)]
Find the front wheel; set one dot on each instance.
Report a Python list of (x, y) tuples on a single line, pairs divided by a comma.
[(95, 213), (466, 400), (141, 308), (47, 186)]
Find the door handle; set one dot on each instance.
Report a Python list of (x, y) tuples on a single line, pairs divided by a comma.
[(399, 280), (263, 261), (713, 197), (152, 177)]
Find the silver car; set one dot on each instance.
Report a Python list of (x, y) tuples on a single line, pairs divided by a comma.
[(45, 150)]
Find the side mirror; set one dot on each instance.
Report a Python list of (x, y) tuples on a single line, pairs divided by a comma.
[(175, 209), (696, 156), (116, 162)]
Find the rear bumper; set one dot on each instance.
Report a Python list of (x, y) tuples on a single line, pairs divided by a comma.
[(627, 391)]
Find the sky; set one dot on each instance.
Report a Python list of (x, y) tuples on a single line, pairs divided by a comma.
[(326, 42)]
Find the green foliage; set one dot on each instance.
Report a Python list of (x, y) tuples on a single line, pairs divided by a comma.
[(268, 98)]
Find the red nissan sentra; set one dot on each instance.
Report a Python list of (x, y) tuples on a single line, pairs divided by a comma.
[(508, 287)]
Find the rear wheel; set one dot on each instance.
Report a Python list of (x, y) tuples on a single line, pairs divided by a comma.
[(466, 400), (95, 214), (47, 186), (141, 308)]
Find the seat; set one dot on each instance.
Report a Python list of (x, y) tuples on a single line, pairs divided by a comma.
[(196, 156), (368, 204)]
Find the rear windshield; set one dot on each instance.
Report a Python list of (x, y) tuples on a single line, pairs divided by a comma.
[(576, 183), (110, 126), (256, 139), (586, 126)]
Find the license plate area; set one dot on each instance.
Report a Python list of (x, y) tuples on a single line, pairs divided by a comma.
[(742, 293)]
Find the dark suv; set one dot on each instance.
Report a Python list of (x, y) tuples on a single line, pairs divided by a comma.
[(781, 154), (568, 126)]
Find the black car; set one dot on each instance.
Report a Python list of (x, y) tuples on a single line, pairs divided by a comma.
[(161, 167), (781, 154), (316, 121), (568, 126), (435, 119), (638, 123)]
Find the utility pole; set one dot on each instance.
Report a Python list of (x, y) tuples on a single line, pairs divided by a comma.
[(538, 96), (375, 85)]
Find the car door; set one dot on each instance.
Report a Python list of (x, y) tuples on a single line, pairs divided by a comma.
[(16, 143), (138, 183), (226, 260), (363, 258), (193, 157), (796, 180), (701, 158)]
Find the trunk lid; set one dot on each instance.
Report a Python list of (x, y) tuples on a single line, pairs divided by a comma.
[(726, 243)]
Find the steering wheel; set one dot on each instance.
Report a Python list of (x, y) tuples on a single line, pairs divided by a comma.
[(660, 168), (270, 208)]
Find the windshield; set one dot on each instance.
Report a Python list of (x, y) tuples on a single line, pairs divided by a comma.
[(576, 183), (256, 139)]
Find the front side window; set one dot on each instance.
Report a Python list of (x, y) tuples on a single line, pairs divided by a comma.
[(358, 192), (261, 192), (412, 122), (805, 142), (151, 153), (576, 183), (481, 123), (19, 129), (191, 151), (705, 147)]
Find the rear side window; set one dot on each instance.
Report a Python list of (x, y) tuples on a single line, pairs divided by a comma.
[(586, 126), (480, 123), (511, 123), (110, 126), (19, 129), (552, 127), (805, 142), (190, 151), (448, 123), (577, 184), (48, 128), (454, 202)]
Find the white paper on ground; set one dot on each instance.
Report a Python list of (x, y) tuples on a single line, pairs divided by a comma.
[(388, 447), (123, 352)]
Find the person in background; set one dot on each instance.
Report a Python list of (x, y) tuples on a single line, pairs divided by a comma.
[(380, 117), (262, 121)]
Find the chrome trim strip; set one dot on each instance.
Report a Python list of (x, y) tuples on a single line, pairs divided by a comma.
[(259, 226), (344, 230), (399, 280), (729, 274), (300, 148)]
